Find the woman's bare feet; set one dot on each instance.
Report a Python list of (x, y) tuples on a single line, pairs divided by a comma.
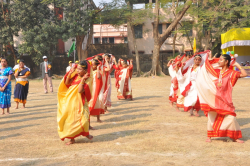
[(90, 137), (239, 141), (177, 109), (98, 119), (106, 110), (91, 128), (208, 139), (197, 114), (2, 113), (72, 141), (171, 104)]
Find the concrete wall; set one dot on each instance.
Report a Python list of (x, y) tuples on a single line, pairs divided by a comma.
[(115, 49)]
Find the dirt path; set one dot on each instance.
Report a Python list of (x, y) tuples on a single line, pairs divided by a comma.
[(145, 131)]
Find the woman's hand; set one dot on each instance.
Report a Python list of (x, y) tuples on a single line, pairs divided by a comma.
[(2, 89), (85, 77), (236, 64)]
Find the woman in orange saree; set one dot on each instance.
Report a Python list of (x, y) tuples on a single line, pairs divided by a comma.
[(215, 84), (74, 93)]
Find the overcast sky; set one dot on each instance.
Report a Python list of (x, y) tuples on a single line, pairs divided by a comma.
[(98, 1)]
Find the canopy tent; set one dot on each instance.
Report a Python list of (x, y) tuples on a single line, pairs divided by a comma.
[(237, 40)]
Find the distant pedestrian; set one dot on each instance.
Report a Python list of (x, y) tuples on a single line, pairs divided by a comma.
[(46, 69), (5, 83), (22, 84), (69, 67)]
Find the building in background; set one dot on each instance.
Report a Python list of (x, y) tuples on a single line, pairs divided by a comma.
[(145, 40), (106, 33)]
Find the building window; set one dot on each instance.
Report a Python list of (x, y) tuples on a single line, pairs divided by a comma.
[(112, 40), (138, 31), (160, 28), (96, 40), (190, 33), (104, 40), (172, 33), (125, 39)]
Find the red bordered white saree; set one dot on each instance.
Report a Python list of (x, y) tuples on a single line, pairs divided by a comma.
[(216, 100)]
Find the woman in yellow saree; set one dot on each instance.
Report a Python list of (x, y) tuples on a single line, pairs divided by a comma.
[(74, 94)]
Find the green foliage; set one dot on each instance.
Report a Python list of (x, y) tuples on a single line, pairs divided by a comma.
[(215, 17)]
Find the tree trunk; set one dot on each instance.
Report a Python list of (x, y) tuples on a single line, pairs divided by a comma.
[(175, 35), (138, 68), (156, 69), (158, 41), (89, 41), (132, 29), (80, 52)]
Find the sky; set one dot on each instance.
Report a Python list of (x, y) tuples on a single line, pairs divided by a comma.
[(97, 2)]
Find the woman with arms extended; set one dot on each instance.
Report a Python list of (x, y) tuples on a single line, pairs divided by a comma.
[(22, 84), (74, 93), (124, 89), (186, 77), (215, 84), (5, 83)]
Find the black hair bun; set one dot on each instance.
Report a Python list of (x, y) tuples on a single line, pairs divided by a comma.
[(84, 64)]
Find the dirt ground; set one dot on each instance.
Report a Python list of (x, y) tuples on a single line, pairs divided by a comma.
[(146, 131)]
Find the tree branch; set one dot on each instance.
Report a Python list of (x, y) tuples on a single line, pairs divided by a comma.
[(179, 16)]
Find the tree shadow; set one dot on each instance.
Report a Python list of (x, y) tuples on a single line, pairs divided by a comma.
[(240, 111), (15, 115), (8, 136), (131, 111), (114, 125), (25, 120), (245, 134), (146, 97), (243, 121), (44, 105), (32, 110), (113, 136), (115, 110), (126, 117), (17, 127)]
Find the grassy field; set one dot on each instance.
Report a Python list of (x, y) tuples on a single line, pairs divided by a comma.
[(146, 131)]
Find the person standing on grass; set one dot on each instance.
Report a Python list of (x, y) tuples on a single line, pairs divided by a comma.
[(69, 67), (74, 93), (109, 61), (5, 83), (124, 73), (186, 77), (22, 84), (46, 69), (96, 105), (215, 84)]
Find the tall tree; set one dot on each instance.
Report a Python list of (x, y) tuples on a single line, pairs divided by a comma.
[(214, 17), (79, 18), (120, 12), (160, 39), (30, 19)]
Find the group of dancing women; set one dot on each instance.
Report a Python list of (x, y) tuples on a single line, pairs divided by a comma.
[(205, 82), (21, 73), (85, 91)]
